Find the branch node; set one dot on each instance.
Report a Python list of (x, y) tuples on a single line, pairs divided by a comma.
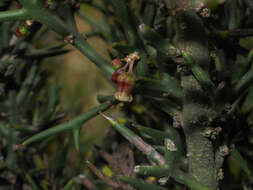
[(69, 39)]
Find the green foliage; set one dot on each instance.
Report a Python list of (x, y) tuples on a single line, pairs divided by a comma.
[(176, 114)]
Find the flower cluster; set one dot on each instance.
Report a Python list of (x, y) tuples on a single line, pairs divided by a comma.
[(124, 78)]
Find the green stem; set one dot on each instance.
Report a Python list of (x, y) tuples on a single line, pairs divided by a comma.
[(72, 124), (156, 171), (93, 56), (20, 14), (126, 18), (31, 182), (188, 180), (243, 84), (198, 106), (76, 137), (137, 141), (37, 12), (69, 185)]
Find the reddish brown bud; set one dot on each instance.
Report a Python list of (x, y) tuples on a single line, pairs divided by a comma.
[(116, 63), (126, 82), (21, 31), (116, 74)]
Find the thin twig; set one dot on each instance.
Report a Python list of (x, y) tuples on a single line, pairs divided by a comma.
[(83, 179), (120, 157), (108, 157), (88, 184), (131, 162), (101, 176)]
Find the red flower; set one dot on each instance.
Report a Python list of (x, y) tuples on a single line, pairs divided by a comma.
[(126, 82)]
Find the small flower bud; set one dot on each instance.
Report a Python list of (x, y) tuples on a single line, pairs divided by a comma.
[(126, 82), (116, 74), (21, 31), (116, 63)]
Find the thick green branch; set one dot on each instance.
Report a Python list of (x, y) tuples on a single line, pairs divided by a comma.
[(39, 13), (20, 14), (126, 18), (197, 106), (72, 124)]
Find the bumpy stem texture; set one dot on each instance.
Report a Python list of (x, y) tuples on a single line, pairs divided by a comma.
[(197, 109), (199, 148)]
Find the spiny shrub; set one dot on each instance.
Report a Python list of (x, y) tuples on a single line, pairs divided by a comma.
[(181, 112)]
